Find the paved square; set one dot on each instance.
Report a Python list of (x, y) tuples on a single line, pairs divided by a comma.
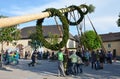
[(48, 70)]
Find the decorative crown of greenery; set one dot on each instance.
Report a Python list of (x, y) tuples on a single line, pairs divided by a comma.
[(39, 31)]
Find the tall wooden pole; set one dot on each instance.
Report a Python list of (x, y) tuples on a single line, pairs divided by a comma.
[(10, 21)]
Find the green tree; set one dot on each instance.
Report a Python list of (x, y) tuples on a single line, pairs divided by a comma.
[(90, 40), (8, 34)]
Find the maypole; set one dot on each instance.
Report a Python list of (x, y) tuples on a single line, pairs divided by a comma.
[(7, 22), (10, 21), (50, 12)]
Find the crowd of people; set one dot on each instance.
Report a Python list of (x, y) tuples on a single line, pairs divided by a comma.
[(71, 62), (10, 57)]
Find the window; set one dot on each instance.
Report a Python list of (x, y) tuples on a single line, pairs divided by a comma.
[(71, 44), (29, 42), (109, 45)]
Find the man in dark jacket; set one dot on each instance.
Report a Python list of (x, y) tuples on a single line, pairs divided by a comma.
[(33, 58), (93, 60)]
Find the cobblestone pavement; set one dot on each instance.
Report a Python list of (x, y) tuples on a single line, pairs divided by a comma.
[(48, 70)]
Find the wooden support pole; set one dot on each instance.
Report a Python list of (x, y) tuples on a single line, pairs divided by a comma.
[(101, 42)]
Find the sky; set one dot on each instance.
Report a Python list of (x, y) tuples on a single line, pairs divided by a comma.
[(103, 18)]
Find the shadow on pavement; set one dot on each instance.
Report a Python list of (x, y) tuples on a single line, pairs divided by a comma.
[(44, 67), (5, 69)]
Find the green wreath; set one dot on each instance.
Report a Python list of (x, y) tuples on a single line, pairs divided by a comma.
[(80, 12), (53, 12)]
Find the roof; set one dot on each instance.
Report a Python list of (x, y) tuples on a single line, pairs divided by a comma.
[(25, 32), (110, 37), (106, 37), (77, 39)]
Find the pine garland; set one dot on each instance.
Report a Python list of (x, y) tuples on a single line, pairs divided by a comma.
[(39, 31)]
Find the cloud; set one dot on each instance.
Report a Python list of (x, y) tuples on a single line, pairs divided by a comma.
[(103, 24), (105, 20), (15, 10), (31, 9), (21, 10)]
